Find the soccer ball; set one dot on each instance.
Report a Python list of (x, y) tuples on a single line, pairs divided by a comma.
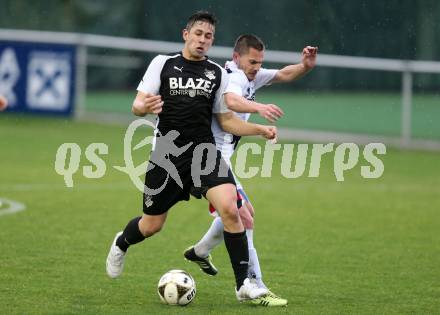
[(176, 287)]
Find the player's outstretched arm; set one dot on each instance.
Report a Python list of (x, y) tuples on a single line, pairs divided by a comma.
[(294, 72), (239, 104), (146, 103), (232, 124)]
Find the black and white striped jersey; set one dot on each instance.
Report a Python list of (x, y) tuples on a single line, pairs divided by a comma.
[(191, 90)]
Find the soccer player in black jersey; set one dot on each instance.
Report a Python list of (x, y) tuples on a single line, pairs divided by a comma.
[(185, 89)]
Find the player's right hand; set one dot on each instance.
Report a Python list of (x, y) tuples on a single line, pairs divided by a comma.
[(270, 112), (146, 103), (152, 103)]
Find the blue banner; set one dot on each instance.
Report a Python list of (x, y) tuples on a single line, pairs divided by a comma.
[(38, 78)]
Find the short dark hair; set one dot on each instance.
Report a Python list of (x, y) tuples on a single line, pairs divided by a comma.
[(246, 41), (203, 16)]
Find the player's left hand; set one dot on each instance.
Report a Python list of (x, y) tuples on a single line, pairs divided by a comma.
[(309, 57), (271, 112), (269, 132)]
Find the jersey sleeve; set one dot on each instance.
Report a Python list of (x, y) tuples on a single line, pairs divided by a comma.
[(237, 81), (150, 82), (264, 77), (219, 102)]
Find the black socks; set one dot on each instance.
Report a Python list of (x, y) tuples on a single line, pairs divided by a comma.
[(131, 235), (237, 246)]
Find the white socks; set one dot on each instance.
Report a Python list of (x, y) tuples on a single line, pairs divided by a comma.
[(254, 270), (212, 238)]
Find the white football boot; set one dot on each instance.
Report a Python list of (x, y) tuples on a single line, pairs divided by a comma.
[(250, 290), (115, 259)]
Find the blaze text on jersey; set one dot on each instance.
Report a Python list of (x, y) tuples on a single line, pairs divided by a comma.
[(191, 87)]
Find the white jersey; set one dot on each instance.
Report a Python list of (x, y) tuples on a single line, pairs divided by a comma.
[(240, 85)]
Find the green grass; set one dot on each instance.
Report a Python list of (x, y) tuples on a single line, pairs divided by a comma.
[(365, 113), (359, 246)]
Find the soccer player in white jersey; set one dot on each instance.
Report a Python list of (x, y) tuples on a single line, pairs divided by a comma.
[(245, 77)]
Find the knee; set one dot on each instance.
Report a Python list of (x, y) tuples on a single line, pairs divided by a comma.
[(229, 212)]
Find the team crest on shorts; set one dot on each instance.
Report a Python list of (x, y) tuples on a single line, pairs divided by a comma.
[(148, 201), (210, 74)]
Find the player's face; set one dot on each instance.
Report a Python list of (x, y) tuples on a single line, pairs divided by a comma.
[(198, 40), (250, 62)]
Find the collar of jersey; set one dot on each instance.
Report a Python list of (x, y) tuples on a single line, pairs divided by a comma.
[(231, 65)]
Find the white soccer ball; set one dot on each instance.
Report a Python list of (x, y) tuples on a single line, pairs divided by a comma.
[(176, 287)]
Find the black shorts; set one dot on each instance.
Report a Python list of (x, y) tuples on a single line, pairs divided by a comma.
[(161, 190)]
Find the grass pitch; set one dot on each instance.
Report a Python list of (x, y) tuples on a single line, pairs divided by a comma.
[(359, 246)]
